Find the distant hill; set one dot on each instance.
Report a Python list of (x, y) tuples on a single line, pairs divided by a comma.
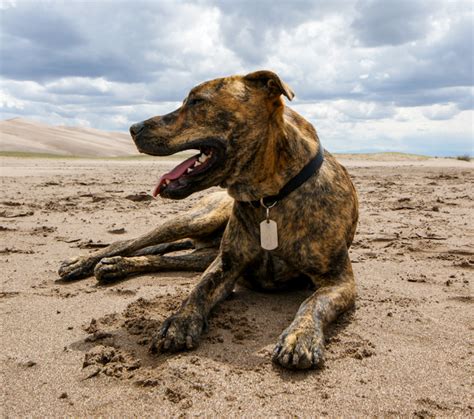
[(25, 136), (382, 156)]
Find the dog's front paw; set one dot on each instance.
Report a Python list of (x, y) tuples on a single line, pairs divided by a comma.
[(299, 348), (76, 268), (178, 332), (112, 269)]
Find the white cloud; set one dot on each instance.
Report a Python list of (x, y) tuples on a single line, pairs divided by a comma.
[(6, 4), (440, 112), (10, 102), (364, 110), (79, 85)]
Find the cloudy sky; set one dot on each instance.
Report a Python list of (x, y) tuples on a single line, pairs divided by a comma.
[(371, 75)]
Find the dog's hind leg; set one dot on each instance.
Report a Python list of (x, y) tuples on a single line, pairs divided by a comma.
[(118, 267), (207, 218), (301, 345)]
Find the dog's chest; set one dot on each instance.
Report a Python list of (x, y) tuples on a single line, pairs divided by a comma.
[(294, 235)]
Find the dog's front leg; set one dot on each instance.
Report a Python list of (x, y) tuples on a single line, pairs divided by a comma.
[(183, 329), (301, 345)]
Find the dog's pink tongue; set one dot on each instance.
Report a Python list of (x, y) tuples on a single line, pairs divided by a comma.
[(176, 173)]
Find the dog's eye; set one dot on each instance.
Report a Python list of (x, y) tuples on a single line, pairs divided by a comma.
[(194, 101)]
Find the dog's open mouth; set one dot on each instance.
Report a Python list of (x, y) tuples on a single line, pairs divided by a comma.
[(187, 171)]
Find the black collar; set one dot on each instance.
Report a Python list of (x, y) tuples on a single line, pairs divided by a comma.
[(306, 172)]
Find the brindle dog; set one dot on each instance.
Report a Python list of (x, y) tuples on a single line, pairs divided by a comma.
[(251, 144)]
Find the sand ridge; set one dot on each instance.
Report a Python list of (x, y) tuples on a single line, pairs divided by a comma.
[(23, 135), (80, 349)]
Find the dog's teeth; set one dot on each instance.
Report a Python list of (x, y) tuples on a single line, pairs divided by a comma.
[(167, 181), (198, 163), (189, 170)]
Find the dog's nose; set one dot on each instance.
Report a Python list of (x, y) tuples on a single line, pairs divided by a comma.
[(135, 129)]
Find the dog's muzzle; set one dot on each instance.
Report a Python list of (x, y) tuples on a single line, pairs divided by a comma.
[(135, 129)]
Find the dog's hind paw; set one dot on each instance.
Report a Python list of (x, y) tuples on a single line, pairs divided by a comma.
[(76, 268), (299, 350), (112, 269), (179, 332)]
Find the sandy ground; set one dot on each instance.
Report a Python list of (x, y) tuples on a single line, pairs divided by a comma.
[(79, 349)]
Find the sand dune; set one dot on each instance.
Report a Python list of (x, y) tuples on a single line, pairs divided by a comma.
[(22, 135)]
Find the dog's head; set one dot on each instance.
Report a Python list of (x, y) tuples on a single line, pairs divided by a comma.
[(221, 118)]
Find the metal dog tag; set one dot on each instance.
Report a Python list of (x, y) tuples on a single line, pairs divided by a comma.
[(268, 229), (268, 234)]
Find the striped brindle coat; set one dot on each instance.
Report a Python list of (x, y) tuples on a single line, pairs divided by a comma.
[(251, 144)]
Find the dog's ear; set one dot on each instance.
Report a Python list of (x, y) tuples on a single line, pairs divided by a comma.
[(272, 82)]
